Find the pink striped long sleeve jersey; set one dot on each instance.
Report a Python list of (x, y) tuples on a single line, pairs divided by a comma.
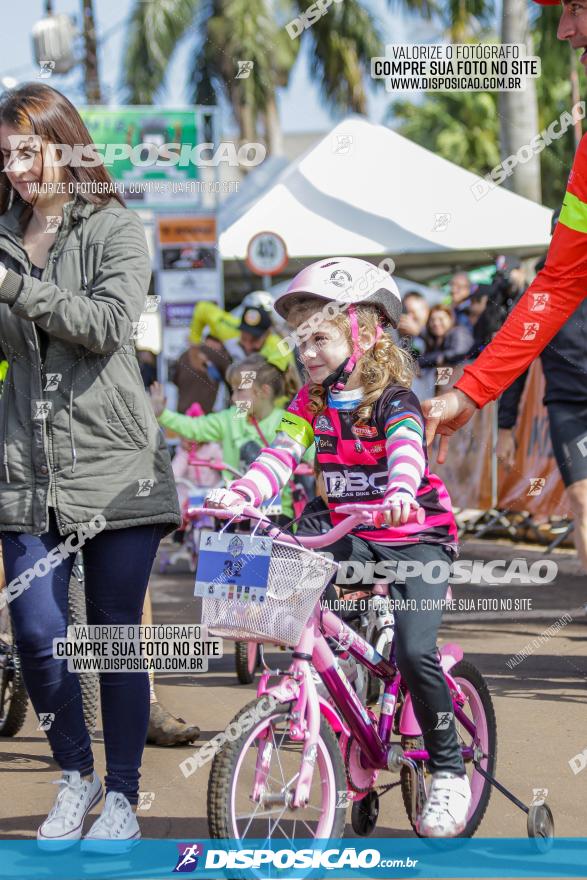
[(361, 463)]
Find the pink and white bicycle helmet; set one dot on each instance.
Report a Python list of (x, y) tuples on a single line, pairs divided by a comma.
[(348, 281), (345, 279)]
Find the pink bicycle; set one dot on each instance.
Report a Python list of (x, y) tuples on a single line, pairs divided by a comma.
[(295, 761)]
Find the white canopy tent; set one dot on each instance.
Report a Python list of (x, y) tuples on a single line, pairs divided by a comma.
[(365, 190)]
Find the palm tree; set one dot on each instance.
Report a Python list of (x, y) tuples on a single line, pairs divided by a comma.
[(462, 127), (519, 110), (226, 31), (555, 96), (459, 19), (92, 87), (91, 72)]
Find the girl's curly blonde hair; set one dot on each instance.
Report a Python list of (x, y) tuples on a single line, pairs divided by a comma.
[(385, 363)]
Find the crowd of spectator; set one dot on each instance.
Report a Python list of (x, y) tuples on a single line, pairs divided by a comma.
[(455, 330)]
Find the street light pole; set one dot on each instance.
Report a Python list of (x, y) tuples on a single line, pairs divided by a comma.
[(92, 76)]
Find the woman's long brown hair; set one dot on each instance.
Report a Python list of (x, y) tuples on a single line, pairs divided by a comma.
[(36, 108)]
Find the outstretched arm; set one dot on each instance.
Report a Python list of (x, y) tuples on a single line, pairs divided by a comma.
[(550, 300)]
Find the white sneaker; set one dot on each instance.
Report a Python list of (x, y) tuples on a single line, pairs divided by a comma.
[(446, 808), (117, 822), (63, 825)]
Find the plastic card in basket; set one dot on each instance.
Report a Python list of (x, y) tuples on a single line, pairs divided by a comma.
[(272, 507), (233, 566)]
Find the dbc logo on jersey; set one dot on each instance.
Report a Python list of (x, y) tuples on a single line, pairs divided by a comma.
[(339, 483)]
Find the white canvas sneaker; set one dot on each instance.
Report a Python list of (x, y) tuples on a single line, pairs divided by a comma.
[(63, 825), (446, 808), (117, 822)]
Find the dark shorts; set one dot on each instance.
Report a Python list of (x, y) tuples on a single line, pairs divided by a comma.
[(568, 434)]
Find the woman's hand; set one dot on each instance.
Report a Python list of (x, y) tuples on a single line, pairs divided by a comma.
[(444, 415), (400, 506), (158, 399), (506, 447)]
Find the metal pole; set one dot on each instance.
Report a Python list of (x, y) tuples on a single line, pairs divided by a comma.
[(494, 430)]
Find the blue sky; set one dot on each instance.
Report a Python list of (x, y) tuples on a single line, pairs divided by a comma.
[(301, 107)]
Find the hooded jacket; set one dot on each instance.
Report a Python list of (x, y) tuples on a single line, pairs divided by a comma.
[(76, 428)]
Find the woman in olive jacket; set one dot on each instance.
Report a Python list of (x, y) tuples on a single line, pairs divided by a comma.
[(82, 460)]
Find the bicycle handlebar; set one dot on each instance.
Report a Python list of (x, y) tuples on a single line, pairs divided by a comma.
[(363, 514)]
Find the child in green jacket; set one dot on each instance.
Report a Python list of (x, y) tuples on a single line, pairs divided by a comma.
[(243, 429)]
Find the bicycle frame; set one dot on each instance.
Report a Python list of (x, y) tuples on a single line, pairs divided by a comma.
[(353, 719), (348, 716)]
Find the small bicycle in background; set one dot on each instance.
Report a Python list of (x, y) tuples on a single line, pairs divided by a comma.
[(191, 496), (300, 759)]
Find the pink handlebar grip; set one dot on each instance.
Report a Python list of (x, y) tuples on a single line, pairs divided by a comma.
[(416, 516)]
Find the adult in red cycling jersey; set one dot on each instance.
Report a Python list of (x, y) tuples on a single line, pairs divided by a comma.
[(536, 318)]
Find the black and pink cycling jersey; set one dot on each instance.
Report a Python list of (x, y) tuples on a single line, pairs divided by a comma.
[(366, 462)]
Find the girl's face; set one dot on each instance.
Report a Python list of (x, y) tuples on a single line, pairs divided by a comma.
[(252, 399), (324, 351), (439, 323), (26, 162)]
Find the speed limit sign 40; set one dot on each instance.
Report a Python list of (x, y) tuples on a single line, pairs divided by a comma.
[(266, 254)]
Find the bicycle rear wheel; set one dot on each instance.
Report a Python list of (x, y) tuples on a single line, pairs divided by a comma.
[(246, 660), (13, 693), (479, 709), (232, 812)]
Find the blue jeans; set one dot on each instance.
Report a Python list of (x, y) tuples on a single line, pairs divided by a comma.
[(117, 566)]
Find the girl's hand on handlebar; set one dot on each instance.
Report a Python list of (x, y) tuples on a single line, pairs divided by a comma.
[(226, 499), (399, 507), (158, 399)]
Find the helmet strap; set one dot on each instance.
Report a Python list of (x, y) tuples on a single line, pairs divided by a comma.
[(339, 377)]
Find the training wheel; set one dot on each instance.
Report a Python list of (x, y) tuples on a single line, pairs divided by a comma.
[(541, 824), (364, 814)]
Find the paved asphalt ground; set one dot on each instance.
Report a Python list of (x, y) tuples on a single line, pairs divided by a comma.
[(540, 706)]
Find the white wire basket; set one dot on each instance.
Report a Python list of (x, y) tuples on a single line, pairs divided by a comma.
[(297, 579)]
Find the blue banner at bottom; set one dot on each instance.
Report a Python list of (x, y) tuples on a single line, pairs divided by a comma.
[(369, 859)]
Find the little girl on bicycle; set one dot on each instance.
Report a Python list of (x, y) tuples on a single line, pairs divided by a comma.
[(367, 426)]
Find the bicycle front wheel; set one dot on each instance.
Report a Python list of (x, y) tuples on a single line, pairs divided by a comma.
[(253, 779)]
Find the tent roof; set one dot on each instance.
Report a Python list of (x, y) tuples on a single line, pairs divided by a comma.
[(365, 190)]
